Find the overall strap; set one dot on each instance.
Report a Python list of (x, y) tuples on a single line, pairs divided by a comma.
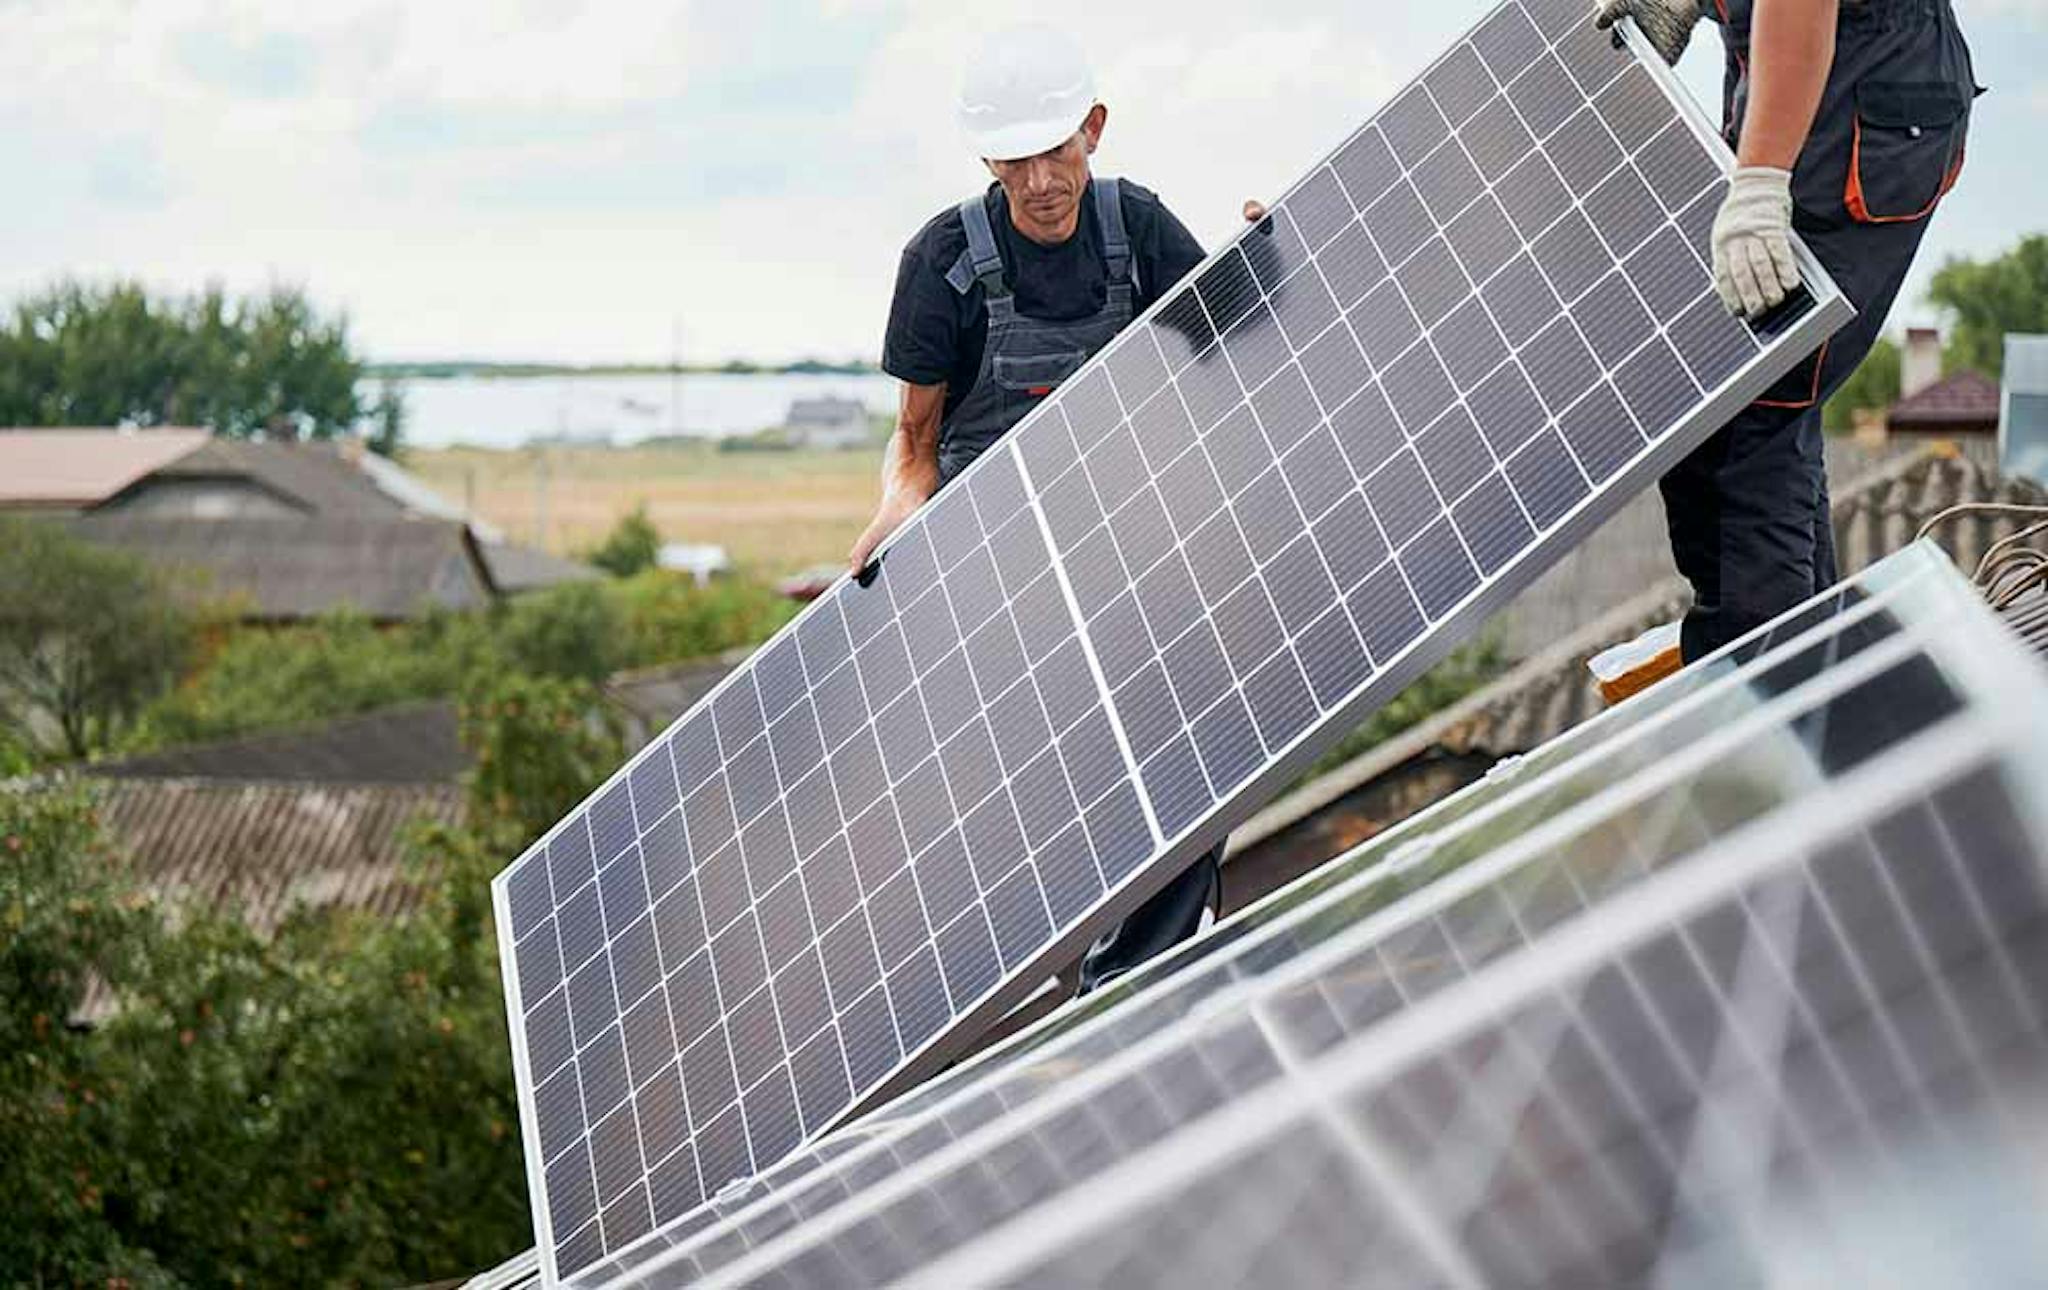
[(982, 260), (1116, 241)]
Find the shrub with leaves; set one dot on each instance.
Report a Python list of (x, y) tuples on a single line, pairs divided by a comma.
[(633, 546), (88, 637)]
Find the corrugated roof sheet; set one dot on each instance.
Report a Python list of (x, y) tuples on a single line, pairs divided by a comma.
[(389, 569), (262, 849), (80, 468)]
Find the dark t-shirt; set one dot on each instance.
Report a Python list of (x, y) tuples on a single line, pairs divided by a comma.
[(937, 334)]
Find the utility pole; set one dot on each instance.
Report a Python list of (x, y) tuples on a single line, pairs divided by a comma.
[(675, 376)]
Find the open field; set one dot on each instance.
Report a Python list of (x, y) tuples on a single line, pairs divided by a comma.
[(775, 512)]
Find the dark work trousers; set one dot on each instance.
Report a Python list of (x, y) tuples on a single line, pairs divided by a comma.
[(1748, 510), (1023, 360)]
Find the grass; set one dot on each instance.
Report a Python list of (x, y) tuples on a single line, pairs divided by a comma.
[(773, 512)]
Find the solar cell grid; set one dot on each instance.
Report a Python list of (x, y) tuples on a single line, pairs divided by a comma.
[(1668, 723), (1336, 440), (1749, 750)]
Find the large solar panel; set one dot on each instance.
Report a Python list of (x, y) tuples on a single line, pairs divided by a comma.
[(1722, 975), (1112, 1024), (1451, 350)]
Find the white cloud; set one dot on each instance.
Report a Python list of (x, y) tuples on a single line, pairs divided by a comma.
[(552, 178)]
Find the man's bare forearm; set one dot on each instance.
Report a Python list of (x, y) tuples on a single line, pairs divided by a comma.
[(910, 468), (1791, 50), (912, 457)]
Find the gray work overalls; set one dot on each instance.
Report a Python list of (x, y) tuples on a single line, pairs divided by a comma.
[(1748, 511), (1023, 361), (1026, 358)]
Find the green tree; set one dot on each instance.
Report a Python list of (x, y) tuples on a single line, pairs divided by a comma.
[(332, 1105), (574, 632), (80, 354), (632, 546), (1987, 300), (1874, 384), (664, 617), (341, 663), (88, 637), (387, 420), (539, 746), (69, 920)]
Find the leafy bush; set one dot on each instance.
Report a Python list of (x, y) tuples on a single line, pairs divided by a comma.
[(540, 746), (333, 1105), (633, 546), (259, 679), (663, 617), (88, 637), (1987, 300), (342, 663)]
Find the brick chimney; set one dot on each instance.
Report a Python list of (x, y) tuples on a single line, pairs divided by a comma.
[(1920, 362)]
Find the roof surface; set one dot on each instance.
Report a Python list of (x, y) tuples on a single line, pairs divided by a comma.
[(518, 568), (78, 468), (318, 477), (414, 743), (265, 849), (1960, 400), (296, 568)]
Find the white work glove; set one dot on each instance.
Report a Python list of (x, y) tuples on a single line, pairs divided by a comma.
[(1753, 266), (1668, 23)]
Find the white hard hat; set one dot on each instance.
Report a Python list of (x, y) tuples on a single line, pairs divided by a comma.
[(1026, 89)]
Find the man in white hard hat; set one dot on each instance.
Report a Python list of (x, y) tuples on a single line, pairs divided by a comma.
[(1004, 296)]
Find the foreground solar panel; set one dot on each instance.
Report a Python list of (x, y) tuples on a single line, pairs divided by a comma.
[(1452, 350), (1110, 1025), (1807, 1010)]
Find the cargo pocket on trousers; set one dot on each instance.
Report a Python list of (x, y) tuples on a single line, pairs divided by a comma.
[(1026, 379), (1906, 149)]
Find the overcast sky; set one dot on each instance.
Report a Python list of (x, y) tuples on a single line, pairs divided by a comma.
[(561, 180)]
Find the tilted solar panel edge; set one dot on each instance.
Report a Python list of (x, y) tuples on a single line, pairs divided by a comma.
[(522, 1073)]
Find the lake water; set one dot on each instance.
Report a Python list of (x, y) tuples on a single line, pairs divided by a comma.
[(505, 412)]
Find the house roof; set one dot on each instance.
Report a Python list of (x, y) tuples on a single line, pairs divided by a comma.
[(287, 569), (319, 478), (80, 468), (519, 569), (408, 743), (1964, 400), (266, 848), (413, 743)]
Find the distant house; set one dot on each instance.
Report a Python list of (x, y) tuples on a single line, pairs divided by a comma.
[(1960, 406), (284, 570), (828, 422), (294, 529)]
